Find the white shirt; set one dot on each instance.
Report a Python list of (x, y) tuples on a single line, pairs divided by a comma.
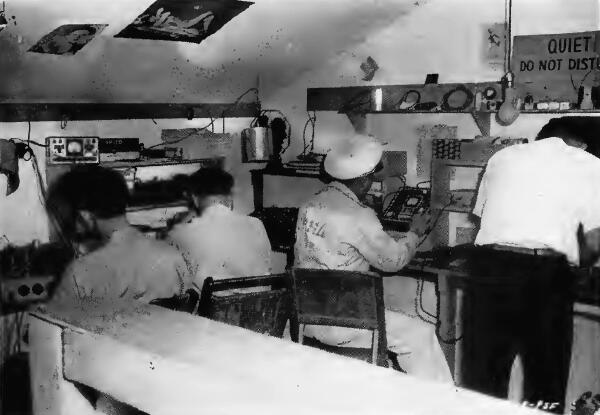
[(336, 231), (535, 196), (130, 266), (223, 244)]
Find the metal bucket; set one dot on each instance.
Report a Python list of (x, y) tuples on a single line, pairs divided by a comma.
[(257, 145)]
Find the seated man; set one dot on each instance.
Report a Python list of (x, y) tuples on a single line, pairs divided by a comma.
[(116, 262), (122, 263), (336, 231), (217, 242)]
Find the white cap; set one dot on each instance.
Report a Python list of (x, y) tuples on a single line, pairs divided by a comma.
[(353, 157)]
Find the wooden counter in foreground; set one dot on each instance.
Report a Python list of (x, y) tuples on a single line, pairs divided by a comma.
[(165, 362)]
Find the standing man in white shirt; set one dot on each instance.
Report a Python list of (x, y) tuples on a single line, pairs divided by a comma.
[(539, 203), (218, 242), (335, 230)]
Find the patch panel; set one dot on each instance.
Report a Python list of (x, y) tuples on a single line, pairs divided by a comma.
[(22, 291)]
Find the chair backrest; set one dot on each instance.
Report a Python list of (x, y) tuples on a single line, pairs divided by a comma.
[(344, 299), (264, 306), (338, 298), (185, 303)]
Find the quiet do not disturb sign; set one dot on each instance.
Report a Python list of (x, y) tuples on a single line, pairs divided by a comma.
[(554, 66)]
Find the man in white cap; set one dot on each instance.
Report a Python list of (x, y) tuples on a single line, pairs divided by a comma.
[(336, 231)]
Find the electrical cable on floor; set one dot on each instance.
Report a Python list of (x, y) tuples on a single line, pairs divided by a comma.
[(438, 323), (432, 227), (304, 146), (312, 138), (420, 288), (421, 317), (311, 120), (446, 341)]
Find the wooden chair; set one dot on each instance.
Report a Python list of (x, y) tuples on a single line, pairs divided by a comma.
[(185, 303), (341, 299), (264, 311)]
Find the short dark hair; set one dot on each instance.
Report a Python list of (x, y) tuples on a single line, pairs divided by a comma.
[(574, 128), (210, 181), (96, 189)]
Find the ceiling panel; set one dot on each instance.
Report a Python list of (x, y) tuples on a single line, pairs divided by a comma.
[(278, 39)]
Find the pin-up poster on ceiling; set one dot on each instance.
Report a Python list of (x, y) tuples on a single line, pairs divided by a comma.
[(183, 20), (557, 67), (67, 39)]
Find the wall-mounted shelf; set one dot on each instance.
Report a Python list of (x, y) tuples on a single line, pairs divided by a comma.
[(359, 99), (158, 162), (23, 112), (217, 161), (571, 111), (356, 102)]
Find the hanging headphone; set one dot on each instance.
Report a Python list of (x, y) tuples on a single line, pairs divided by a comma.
[(468, 99), (409, 100)]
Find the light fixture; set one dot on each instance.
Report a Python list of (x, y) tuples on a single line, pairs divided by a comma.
[(510, 109), (3, 21)]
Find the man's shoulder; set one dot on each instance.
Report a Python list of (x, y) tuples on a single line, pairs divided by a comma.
[(93, 258), (340, 210), (181, 229), (253, 221), (509, 151), (248, 223), (588, 161), (155, 249), (160, 245)]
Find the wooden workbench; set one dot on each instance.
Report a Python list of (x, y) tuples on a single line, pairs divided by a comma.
[(166, 362)]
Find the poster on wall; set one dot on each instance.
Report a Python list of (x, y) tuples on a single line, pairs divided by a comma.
[(183, 20), (67, 39), (494, 44)]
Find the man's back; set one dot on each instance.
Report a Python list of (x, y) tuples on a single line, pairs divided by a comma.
[(223, 244), (336, 231), (536, 195), (129, 266)]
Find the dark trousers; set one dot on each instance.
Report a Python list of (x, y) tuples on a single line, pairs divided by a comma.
[(518, 303)]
